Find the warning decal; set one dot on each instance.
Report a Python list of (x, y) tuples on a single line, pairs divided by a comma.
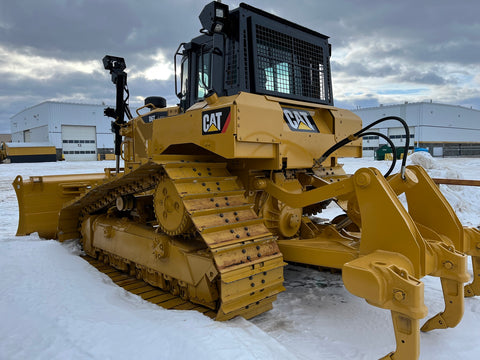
[(215, 121), (299, 120)]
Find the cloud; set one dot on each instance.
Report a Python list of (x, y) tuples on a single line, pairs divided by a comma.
[(25, 63), (159, 69)]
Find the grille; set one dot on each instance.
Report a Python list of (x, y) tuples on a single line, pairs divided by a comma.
[(245, 59), (287, 65), (231, 73)]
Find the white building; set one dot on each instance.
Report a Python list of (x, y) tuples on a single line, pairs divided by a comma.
[(445, 130), (78, 131)]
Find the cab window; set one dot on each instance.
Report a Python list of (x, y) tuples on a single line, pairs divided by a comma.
[(203, 62), (184, 76)]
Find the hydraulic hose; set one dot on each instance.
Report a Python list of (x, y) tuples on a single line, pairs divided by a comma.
[(392, 146), (362, 132)]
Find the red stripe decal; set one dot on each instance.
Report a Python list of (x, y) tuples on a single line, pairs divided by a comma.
[(226, 123)]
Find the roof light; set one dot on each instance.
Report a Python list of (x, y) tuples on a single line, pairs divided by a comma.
[(214, 17)]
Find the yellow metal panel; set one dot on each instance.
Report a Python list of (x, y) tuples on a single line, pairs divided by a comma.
[(319, 251), (30, 150), (440, 215), (187, 129), (258, 120)]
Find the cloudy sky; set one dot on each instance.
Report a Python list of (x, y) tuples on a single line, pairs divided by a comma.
[(384, 51)]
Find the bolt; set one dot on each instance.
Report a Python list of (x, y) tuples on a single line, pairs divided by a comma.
[(448, 265), (399, 295), (260, 184)]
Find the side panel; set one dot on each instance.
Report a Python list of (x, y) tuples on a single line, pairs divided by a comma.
[(187, 128), (303, 131)]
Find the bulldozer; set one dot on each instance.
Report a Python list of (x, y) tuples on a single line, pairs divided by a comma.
[(3, 151), (217, 193)]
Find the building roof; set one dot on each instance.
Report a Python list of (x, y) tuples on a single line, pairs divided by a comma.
[(381, 106), (55, 102)]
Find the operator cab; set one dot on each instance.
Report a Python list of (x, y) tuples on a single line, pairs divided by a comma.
[(249, 50)]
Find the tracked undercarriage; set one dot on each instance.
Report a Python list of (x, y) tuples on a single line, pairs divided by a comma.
[(185, 227)]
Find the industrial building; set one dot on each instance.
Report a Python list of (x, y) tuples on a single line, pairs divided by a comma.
[(78, 131), (445, 130)]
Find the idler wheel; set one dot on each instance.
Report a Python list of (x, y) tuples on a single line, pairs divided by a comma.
[(172, 217)]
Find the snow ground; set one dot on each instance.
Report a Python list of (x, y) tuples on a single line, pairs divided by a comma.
[(54, 305)]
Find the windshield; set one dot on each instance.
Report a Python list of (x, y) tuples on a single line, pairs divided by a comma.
[(203, 62)]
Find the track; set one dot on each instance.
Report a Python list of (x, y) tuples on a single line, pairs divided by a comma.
[(147, 292)]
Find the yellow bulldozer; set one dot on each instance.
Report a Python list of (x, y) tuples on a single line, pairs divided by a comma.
[(218, 192), (3, 151)]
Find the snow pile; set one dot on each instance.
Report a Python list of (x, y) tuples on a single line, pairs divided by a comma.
[(423, 159), (54, 305), (465, 200)]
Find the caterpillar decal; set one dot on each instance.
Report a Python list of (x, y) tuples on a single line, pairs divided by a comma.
[(215, 121), (299, 120)]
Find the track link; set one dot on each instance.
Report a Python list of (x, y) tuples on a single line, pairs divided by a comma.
[(147, 292)]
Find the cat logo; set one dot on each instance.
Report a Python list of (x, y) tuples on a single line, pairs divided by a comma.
[(215, 121), (299, 120)]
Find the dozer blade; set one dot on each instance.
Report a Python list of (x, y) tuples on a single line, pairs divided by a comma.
[(41, 197)]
